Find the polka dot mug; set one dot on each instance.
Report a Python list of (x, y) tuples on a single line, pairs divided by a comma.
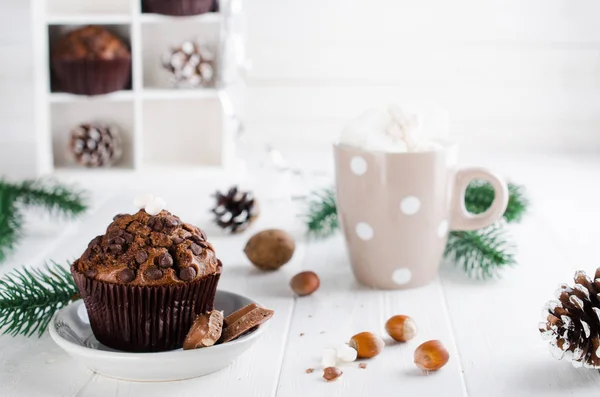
[(396, 210)]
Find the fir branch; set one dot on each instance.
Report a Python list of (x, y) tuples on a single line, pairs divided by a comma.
[(10, 224), (482, 253), (321, 216), (30, 297), (480, 195), (54, 197)]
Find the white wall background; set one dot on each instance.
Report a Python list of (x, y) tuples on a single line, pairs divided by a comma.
[(512, 74)]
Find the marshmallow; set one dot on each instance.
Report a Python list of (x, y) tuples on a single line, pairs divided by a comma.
[(155, 206), (329, 358), (346, 354), (391, 130), (142, 201)]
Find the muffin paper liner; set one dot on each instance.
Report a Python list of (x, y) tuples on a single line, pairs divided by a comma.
[(179, 7), (92, 76), (144, 318)]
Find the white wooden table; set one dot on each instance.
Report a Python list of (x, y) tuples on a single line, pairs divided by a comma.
[(489, 327)]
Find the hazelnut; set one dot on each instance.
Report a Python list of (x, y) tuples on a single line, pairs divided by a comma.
[(270, 249), (367, 345), (305, 283), (331, 373), (401, 328), (431, 355)]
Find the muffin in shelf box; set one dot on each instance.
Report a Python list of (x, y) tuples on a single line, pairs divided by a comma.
[(91, 61)]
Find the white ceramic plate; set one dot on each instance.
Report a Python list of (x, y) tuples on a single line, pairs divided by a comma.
[(70, 329)]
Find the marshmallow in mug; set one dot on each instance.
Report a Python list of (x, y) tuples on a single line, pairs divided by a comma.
[(392, 130)]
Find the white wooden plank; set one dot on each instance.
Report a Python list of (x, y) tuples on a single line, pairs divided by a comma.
[(469, 102), (495, 322), (409, 62), (341, 308), (359, 21)]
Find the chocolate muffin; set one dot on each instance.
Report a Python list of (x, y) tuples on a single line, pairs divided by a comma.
[(180, 7), (145, 281), (91, 61)]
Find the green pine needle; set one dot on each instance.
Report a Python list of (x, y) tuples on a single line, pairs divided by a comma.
[(54, 197), (321, 217), (482, 253), (30, 297), (480, 195), (10, 224)]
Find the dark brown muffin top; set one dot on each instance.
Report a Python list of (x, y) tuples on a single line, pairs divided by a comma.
[(142, 249), (90, 42)]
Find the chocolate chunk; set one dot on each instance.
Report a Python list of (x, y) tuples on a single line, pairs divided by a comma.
[(202, 234), (126, 275), (219, 263), (205, 331), (128, 238), (197, 239), (187, 273), (118, 216), (196, 249), (153, 273), (158, 224), (243, 320), (170, 223), (164, 260), (91, 273), (114, 248), (141, 256), (177, 240), (118, 240)]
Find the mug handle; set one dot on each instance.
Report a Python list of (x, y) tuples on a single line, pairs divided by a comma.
[(465, 220)]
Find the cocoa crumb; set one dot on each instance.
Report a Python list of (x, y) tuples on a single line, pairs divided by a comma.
[(310, 370), (301, 333), (362, 365)]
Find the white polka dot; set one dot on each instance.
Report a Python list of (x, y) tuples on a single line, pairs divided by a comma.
[(402, 276), (442, 228), (410, 205), (364, 231), (358, 165)]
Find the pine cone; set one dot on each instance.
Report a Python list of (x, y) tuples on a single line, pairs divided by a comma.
[(573, 322), (190, 64), (236, 210), (95, 145)]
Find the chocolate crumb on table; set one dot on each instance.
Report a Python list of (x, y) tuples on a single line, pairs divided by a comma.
[(362, 365), (310, 370)]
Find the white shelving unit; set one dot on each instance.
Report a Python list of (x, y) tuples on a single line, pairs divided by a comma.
[(163, 127)]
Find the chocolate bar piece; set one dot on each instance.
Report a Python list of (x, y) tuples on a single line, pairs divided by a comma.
[(243, 320), (205, 331)]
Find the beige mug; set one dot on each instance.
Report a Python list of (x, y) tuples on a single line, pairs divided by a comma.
[(396, 210)]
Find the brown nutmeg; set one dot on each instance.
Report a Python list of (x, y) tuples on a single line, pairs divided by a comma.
[(270, 249), (366, 344), (331, 373), (401, 328), (305, 283), (431, 355)]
